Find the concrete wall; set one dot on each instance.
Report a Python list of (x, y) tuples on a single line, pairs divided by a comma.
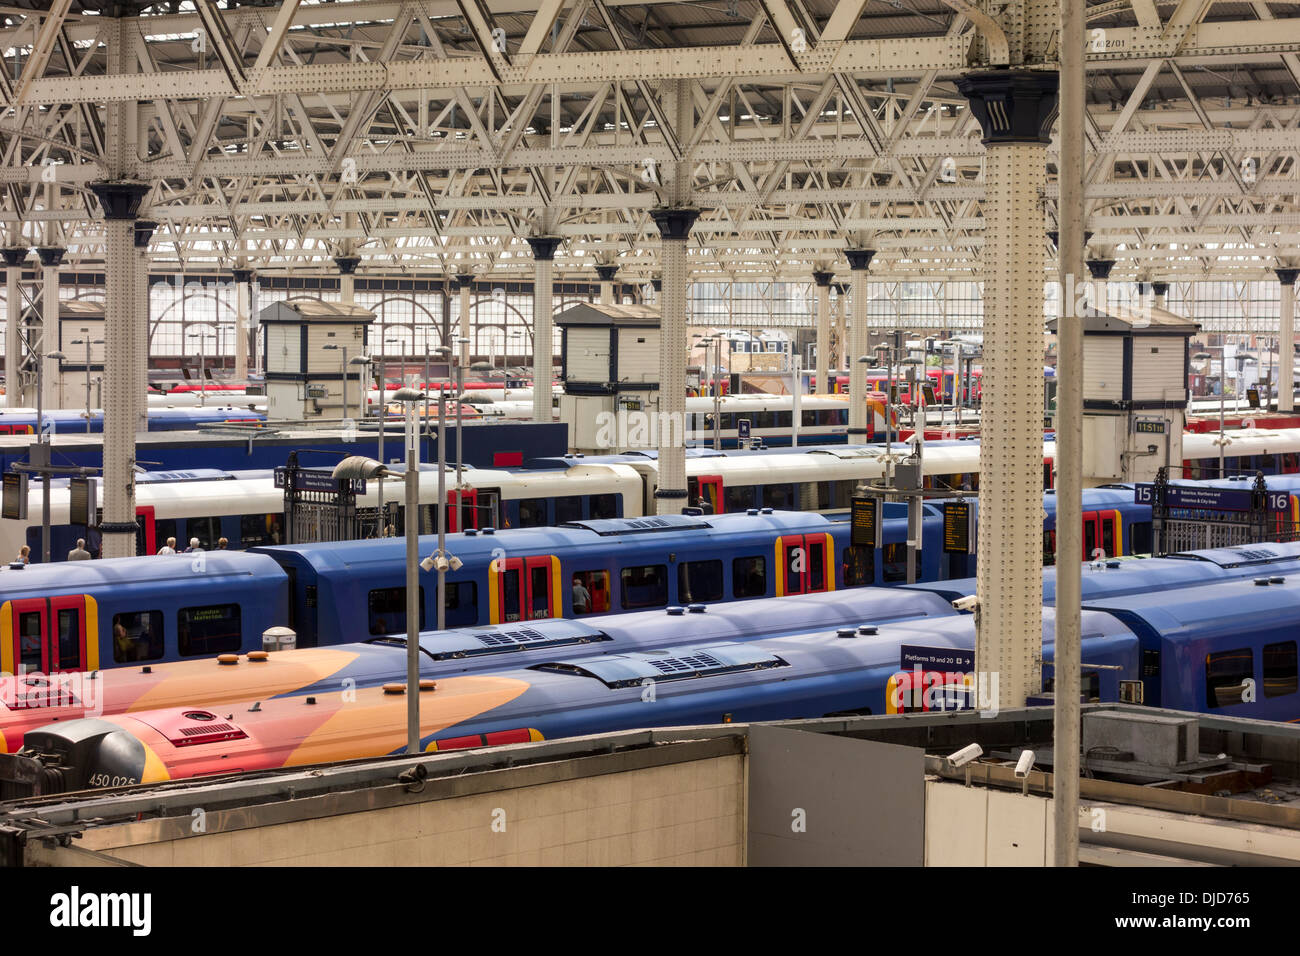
[(680, 814)]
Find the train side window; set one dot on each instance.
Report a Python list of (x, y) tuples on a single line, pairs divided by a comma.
[(739, 498), (1089, 536), (1266, 463), (137, 636), (1226, 674), (604, 506), (568, 508), (699, 581), (388, 610), (1139, 535), (164, 528), (68, 622), (1290, 463), (532, 512), (1280, 669), (212, 629), (31, 639), (260, 529), (816, 565), (539, 589), (1107, 535), (808, 417), (645, 586), (859, 566), (895, 566), (462, 604), (594, 596), (1049, 547), (207, 530), (749, 577), (780, 497)]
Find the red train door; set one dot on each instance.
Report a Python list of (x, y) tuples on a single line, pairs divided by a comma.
[(525, 589), (145, 540), (802, 563), (462, 509), (706, 489), (49, 634)]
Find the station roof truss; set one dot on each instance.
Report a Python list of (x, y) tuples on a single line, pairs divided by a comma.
[(434, 136)]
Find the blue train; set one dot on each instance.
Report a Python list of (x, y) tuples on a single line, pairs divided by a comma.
[(1178, 644), (23, 421)]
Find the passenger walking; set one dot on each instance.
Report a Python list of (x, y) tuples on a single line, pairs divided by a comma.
[(581, 597), (169, 547), (79, 553)]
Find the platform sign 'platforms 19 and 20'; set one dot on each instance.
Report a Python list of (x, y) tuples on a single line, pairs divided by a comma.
[(1210, 499)]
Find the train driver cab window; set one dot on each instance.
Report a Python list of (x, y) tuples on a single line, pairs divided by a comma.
[(568, 508), (645, 586), (214, 629), (1049, 547), (1280, 669), (1226, 674), (532, 512), (387, 608), (749, 577), (604, 506), (699, 581), (137, 636), (590, 592)]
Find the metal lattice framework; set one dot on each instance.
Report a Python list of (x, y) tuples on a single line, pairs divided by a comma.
[(434, 137)]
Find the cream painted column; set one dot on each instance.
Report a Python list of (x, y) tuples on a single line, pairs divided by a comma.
[(243, 277), (543, 348), (1015, 109), (51, 257), (140, 324), (347, 266), (1286, 341), (465, 288), (120, 201), (606, 274), (859, 425), (822, 358), (674, 229), (841, 324), (13, 261)]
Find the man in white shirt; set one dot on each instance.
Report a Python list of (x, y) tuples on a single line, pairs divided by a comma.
[(79, 553), (169, 547)]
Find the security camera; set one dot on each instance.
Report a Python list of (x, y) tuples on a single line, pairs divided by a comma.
[(441, 563), (1025, 763), (967, 754), (968, 603), (427, 564)]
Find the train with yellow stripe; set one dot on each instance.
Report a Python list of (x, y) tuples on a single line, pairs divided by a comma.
[(1225, 646), (33, 700)]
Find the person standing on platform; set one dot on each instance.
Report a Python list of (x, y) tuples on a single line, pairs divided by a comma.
[(194, 546), (79, 553), (24, 555), (581, 597), (169, 547), (223, 544)]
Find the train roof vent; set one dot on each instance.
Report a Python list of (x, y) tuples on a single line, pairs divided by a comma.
[(505, 639), (648, 525), (632, 670)]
